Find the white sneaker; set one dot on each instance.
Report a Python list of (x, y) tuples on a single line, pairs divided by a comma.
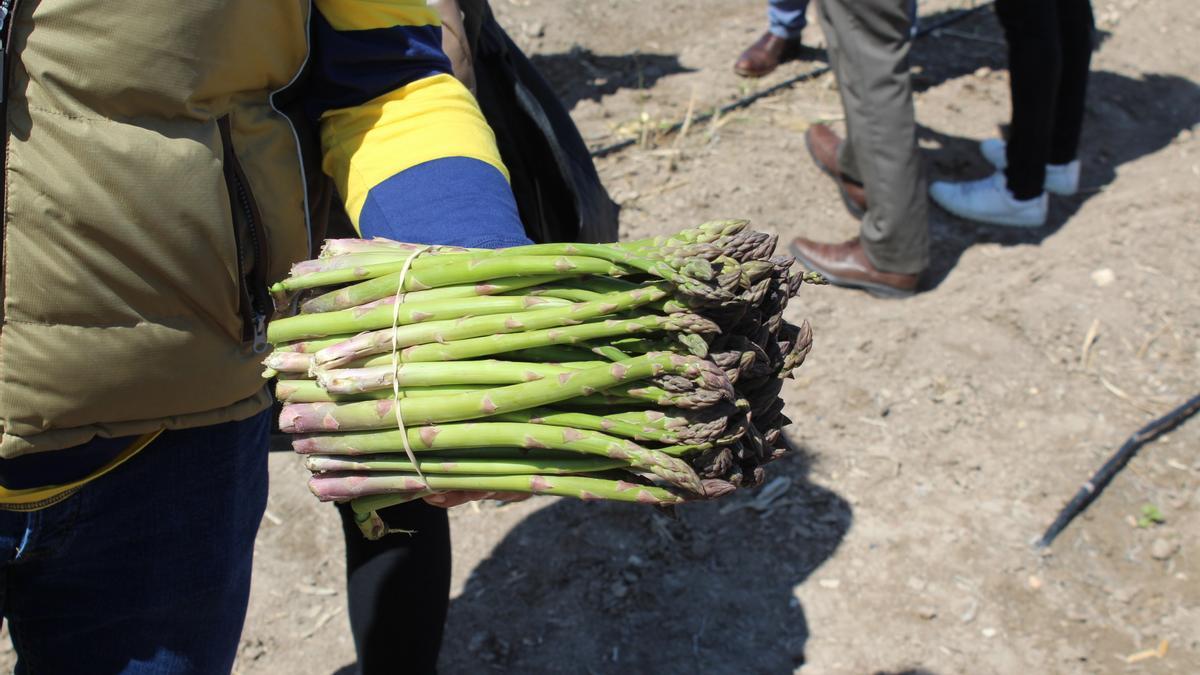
[(1061, 179), (989, 201)]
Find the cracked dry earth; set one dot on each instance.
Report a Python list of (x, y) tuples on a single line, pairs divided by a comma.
[(940, 435)]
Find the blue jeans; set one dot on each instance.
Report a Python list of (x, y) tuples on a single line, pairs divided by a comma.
[(786, 17), (146, 569)]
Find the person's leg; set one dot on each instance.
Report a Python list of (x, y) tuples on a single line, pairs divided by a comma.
[(398, 589), (1075, 27), (786, 17), (146, 569), (1034, 73), (871, 40)]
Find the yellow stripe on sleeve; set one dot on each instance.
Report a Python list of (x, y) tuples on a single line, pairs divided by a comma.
[(430, 119), (368, 14)]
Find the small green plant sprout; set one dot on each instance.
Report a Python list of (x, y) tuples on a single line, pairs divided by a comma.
[(1151, 516)]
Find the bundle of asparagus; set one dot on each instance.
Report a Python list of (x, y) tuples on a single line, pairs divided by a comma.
[(646, 371)]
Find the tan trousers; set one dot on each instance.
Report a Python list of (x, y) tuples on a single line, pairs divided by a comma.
[(868, 51)]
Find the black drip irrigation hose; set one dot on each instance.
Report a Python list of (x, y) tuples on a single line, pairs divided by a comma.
[(747, 101), (1092, 489)]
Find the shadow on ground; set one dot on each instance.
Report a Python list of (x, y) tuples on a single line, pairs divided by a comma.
[(595, 587), (1126, 119), (581, 74)]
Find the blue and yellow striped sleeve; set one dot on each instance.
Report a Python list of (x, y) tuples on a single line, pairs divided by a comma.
[(403, 140)]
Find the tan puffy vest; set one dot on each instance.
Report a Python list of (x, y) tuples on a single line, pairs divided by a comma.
[(152, 190)]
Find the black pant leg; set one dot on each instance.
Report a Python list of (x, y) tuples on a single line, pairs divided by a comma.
[(1034, 69), (1076, 26), (399, 589)]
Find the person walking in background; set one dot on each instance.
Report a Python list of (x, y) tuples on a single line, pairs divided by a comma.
[(877, 167), (1049, 54), (780, 43)]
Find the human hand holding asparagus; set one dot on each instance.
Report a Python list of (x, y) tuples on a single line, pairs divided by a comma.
[(646, 371)]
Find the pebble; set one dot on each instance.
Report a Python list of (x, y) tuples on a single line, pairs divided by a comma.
[(969, 615), (1034, 582), (1125, 593), (829, 583), (988, 632), (619, 589), (535, 29), (1162, 549), (926, 612), (1103, 277)]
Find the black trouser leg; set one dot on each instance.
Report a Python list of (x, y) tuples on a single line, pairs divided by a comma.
[(1034, 71), (1075, 28), (399, 589)]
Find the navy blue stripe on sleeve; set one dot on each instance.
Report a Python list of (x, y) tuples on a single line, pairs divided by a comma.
[(453, 201), (349, 68)]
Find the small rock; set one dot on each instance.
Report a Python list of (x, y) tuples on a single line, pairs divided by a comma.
[(619, 589), (969, 615), (477, 641), (916, 584), (829, 583), (1125, 593), (988, 632), (636, 560), (535, 29), (983, 71), (926, 612), (1103, 277), (1162, 549), (1034, 582)]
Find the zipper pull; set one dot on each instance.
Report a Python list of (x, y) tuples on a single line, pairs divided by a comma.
[(260, 333)]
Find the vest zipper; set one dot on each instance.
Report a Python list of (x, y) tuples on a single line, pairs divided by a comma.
[(41, 503), (308, 227), (7, 7), (252, 274)]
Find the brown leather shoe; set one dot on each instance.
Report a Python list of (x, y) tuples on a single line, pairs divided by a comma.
[(847, 264), (766, 54), (823, 145)]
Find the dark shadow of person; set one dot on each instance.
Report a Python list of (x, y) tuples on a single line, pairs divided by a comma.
[(962, 47), (1126, 118), (600, 587), (580, 74)]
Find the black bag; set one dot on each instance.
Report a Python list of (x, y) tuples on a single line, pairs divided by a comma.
[(559, 195)]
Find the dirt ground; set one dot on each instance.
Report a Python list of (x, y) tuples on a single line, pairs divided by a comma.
[(940, 434)]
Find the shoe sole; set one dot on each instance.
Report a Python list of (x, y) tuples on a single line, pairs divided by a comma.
[(742, 72), (851, 205), (876, 290), (990, 221)]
